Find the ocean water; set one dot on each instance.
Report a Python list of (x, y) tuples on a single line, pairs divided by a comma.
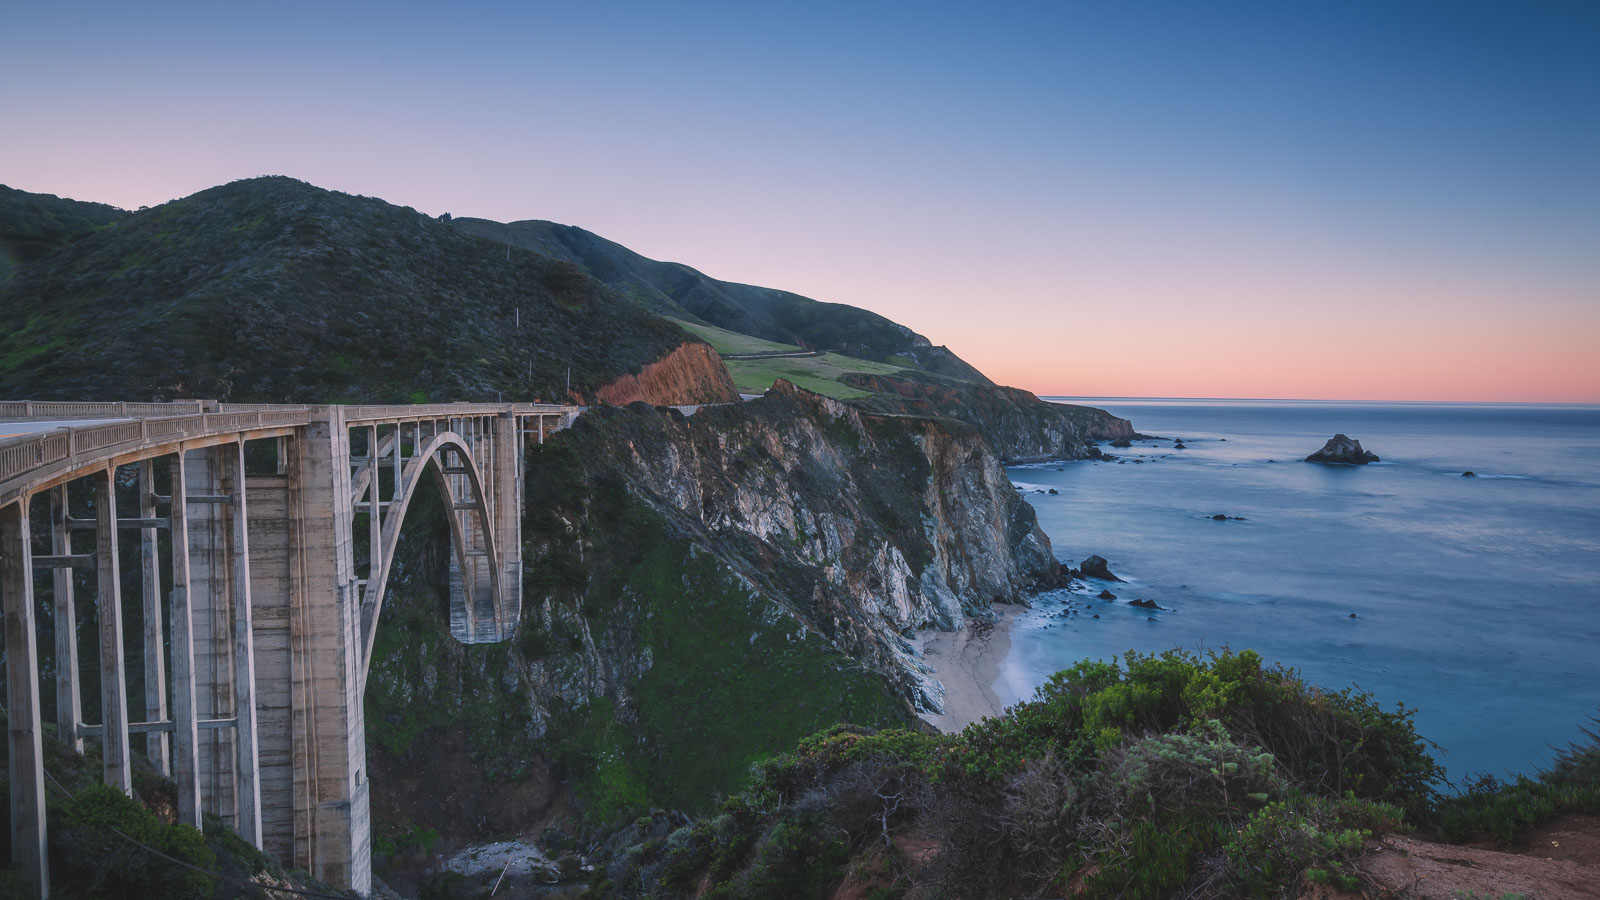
[(1476, 600)]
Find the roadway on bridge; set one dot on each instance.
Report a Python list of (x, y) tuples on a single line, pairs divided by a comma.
[(13, 429)]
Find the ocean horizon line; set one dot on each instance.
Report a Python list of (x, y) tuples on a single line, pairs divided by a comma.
[(1498, 403)]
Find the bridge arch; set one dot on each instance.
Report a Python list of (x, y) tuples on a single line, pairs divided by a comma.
[(432, 461)]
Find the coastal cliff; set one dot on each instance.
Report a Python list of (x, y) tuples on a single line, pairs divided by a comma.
[(690, 373), (1018, 425), (698, 591)]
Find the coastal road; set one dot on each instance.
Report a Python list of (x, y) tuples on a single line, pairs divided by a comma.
[(13, 429)]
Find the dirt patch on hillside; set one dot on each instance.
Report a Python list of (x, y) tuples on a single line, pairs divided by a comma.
[(1560, 861)]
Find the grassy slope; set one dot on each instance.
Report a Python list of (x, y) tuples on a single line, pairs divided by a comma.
[(272, 289), (764, 313), (814, 373), (726, 341)]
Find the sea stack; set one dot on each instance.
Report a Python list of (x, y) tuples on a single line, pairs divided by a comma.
[(1343, 450), (1096, 567)]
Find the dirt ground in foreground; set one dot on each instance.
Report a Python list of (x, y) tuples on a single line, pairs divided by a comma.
[(1560, 861)]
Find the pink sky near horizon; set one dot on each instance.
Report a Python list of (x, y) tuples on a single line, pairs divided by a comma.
[(1198, 203), (1059, 312)]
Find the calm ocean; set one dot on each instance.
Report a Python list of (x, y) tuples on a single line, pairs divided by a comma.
[(1476, 600)]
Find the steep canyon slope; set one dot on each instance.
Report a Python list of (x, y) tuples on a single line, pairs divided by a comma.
[(701, 591)]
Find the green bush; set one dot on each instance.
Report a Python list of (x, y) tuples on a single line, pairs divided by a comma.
[(1217, 775), (1506, 811), (97, 830)]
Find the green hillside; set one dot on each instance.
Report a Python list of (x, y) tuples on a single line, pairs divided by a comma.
[(32, 226), (272, 289), (771, 315)]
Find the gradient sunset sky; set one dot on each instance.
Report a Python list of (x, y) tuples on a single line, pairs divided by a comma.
[(1354, 200)]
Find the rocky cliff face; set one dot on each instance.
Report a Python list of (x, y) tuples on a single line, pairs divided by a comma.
[(699, 591), (691, 373), (888, 524), (1018, 425)]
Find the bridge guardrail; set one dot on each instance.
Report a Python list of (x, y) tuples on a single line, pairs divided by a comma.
[(51, 409), (447, 410), (28, 453)]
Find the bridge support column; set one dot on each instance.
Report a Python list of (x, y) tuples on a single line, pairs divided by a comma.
[(507, 490), (210, 573), (157, 743), (117, 765), (185, 718), (69, 700), (247, 784), (271, 578), (330, 748), (26, 768), (223, 639)]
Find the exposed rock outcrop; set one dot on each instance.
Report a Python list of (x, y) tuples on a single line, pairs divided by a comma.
[(1018, 425), (1343, 450), (691, 373), (877, 524)]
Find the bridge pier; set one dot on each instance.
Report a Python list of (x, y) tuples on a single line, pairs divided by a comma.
[(329, 755)]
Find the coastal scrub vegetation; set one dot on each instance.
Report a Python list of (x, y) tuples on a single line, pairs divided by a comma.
[(1152, 776), (1221, 775), (1507, 811), (104, 843)]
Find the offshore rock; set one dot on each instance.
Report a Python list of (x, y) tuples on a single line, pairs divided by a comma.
[(1096, 567), (1343, 450)]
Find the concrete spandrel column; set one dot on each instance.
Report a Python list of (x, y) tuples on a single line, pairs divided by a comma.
[(506, 486), (246, 762), (115, 757), (157, 743), (185, 733), (210, 574), (26, 763), (271, 574), (69, 698)]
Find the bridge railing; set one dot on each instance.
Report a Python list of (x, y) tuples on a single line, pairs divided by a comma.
[(50, 409), (25, 454), (447, 410)]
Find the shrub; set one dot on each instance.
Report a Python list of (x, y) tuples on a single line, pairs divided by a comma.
[(1507, 810), (97, 829)]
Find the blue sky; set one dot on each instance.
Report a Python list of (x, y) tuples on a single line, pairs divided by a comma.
[(1411, 188)]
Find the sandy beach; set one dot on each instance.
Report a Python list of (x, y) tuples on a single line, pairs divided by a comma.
[(967, 662)]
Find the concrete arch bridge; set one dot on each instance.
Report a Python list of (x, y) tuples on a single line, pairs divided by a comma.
[(265, 537)]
